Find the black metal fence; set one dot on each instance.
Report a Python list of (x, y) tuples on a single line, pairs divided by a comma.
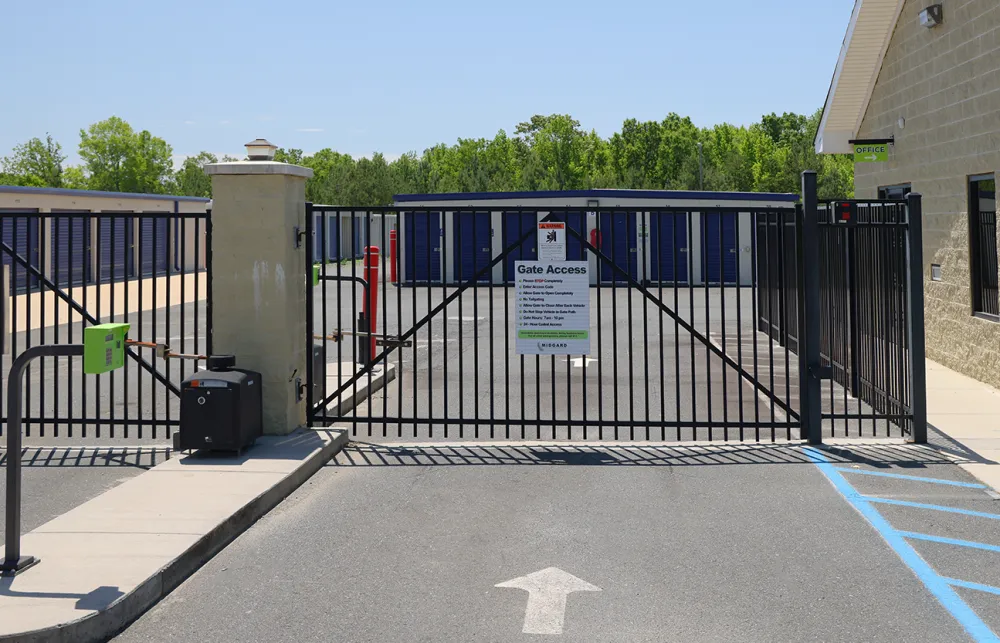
[(65, 271), (869, 313), (674, 350)]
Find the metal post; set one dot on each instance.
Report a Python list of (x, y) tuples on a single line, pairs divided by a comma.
[(370, 308), (809, 317), (14, 563), (915, 303)]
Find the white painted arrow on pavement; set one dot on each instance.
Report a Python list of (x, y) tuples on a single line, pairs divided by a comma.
[(578, 362), (547, 591)]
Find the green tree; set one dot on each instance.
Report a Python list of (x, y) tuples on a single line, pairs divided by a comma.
[(119, 159), (191, 180), (293, 156), (554, 159), (75, 178), (35, 163)]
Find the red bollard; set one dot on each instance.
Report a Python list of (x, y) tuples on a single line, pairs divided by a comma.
[(371, 306), (392, 256)]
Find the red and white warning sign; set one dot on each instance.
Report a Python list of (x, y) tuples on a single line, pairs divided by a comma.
[(551, 241)]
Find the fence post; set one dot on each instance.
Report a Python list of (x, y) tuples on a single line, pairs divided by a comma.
[(809, 318), (915, 305)]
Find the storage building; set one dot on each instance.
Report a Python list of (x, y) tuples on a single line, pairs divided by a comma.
[(454, 237)]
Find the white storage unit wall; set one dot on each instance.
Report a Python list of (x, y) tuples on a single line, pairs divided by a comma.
[(439, 244)]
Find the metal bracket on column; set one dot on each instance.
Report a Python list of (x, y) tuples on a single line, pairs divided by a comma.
[(821, 372), (299, 234)]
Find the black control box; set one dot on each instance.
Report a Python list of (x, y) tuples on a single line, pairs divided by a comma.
[(221, 408)]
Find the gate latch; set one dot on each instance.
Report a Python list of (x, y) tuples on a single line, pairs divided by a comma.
[(390, 340)]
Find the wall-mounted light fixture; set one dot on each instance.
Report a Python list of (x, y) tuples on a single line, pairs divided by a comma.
[(901, 122), (932, 16)]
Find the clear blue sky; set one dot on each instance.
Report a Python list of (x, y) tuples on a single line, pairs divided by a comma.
[(394, 75)]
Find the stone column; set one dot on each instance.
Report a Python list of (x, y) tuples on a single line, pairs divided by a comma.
[(259, 280)]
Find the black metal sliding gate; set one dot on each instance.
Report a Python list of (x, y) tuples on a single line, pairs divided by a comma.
[(675, 348)]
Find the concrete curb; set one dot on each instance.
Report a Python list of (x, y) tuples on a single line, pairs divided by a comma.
[(362, 390), (102, 625)]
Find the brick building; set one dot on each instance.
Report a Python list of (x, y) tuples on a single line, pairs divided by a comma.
[(928, 77)]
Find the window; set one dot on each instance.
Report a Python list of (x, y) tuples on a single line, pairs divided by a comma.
[(894, 191), (983, 245)]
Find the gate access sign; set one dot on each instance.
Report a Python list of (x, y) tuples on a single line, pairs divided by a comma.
[(553, 307), (871, 153)]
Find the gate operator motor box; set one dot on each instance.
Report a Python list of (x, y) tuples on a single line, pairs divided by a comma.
[(221, 408)]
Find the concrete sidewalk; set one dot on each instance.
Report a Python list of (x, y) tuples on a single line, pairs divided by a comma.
[(107, 561), (967, 412)]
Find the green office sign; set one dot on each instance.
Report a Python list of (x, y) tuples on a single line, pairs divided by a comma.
[(871, 153)]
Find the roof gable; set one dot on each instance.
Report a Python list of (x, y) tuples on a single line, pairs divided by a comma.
[(865, 44)]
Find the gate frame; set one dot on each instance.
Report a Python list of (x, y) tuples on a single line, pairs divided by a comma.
[(317, 408)]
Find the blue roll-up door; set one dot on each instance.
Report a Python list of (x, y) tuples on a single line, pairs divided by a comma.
[(619, 244), (575, 250), (333, 238), (70, 248), (318, 231), (20, 234), (718, 247), (116, 249), (423, 246), (472, 250), (517, 225), (669, 247), (154, 245)]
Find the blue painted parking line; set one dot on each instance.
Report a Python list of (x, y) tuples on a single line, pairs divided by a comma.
[(920, 505), (979, 587), (937, 585), (900, 476), (949, 541)]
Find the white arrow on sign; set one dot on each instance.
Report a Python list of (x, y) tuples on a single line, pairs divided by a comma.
[(547, 591), (871, 157), (578, 362)]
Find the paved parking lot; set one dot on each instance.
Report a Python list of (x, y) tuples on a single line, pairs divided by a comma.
[(648, 543)]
